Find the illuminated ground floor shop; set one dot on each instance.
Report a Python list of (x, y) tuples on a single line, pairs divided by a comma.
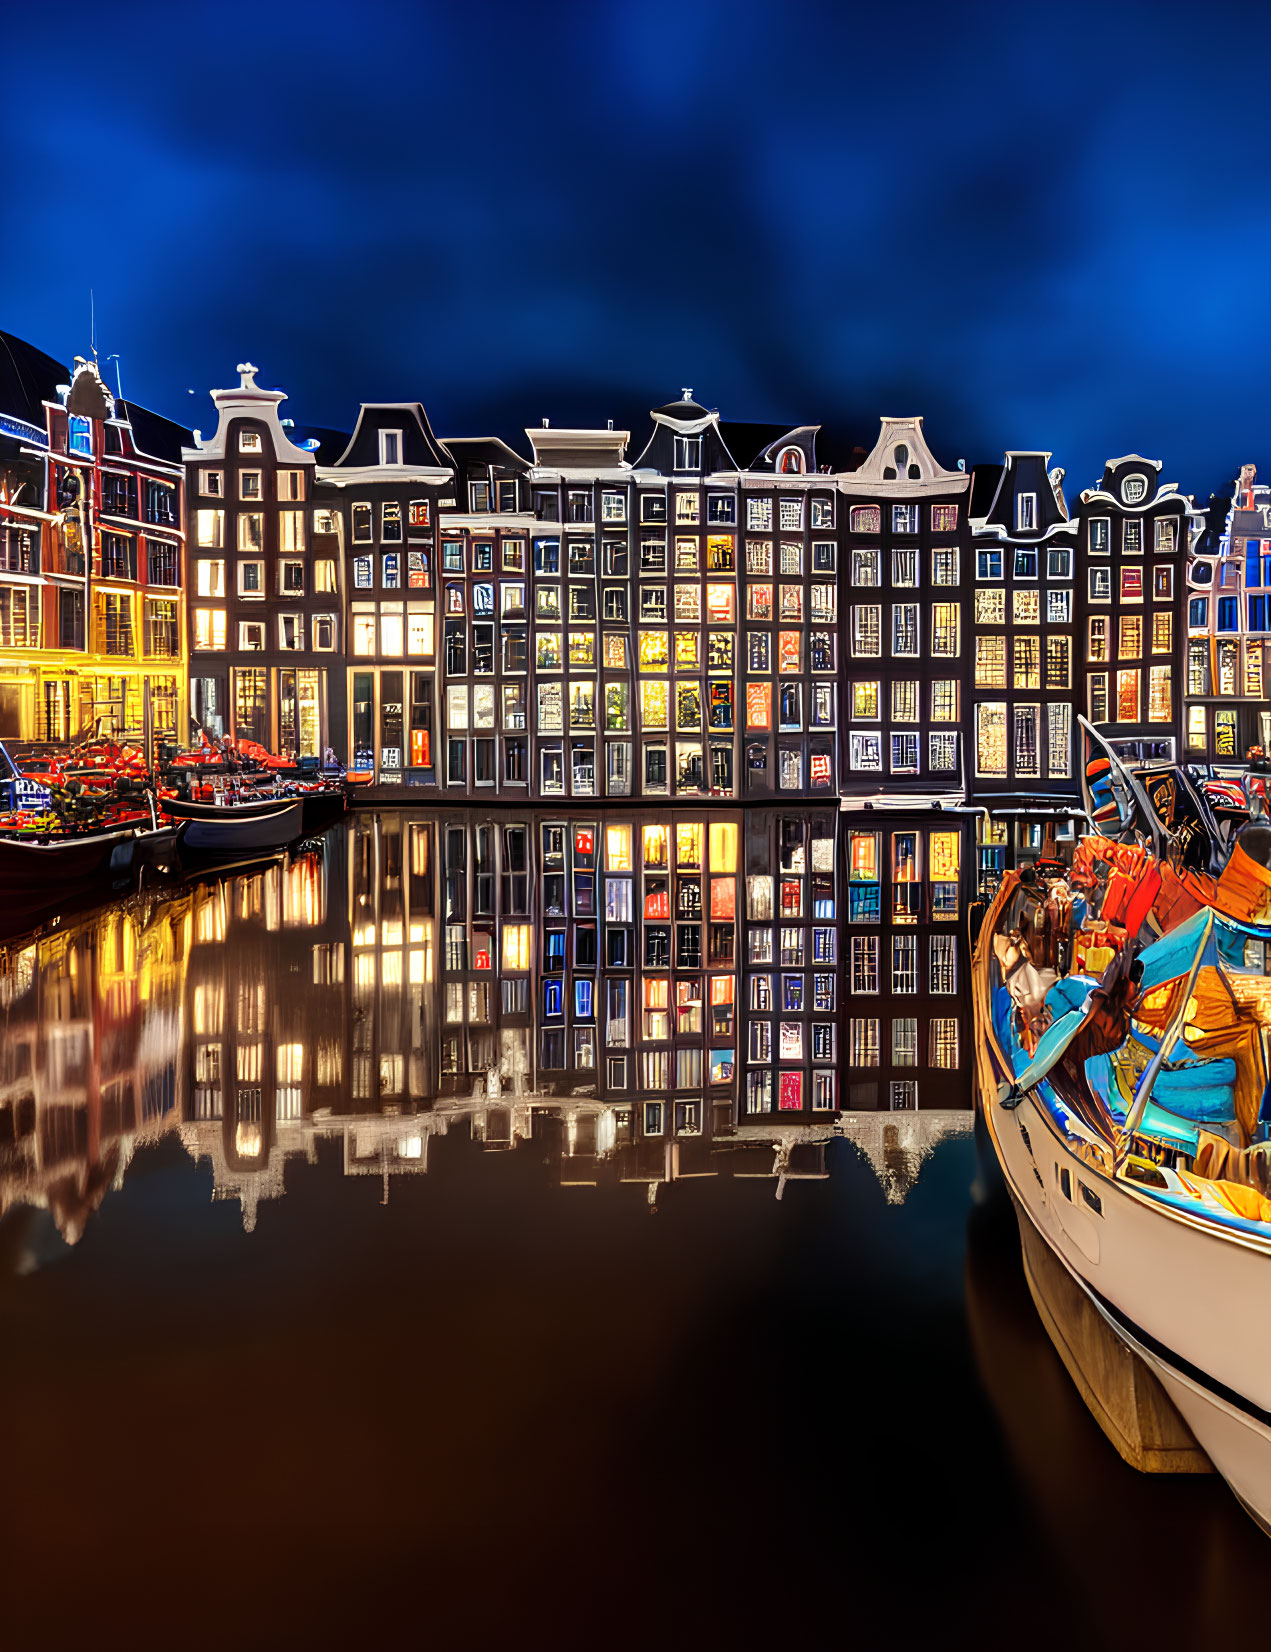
[(284, 708), (391, 726), (62, 698)]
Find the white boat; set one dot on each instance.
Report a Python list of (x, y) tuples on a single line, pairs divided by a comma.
[(1176, 1259)]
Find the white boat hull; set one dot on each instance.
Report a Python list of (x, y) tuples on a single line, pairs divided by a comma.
[(1193, 1301), (229, 832)]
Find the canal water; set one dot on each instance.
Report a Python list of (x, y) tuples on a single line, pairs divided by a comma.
[(310, 1342)]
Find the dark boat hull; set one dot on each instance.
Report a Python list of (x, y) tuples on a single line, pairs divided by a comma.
[(239, 828), (33, 871)]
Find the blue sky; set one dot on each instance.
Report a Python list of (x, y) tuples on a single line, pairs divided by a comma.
[(1038, 227)]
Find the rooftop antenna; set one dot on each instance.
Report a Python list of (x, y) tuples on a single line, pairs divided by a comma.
[(92, 323)]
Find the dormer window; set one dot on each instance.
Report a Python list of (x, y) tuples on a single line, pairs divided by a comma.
[(249, 441), (688, 453), (507, 496), (79, 435), (478, 496), (390, 447), (1026, 512), (1134, 489), (790, 461)]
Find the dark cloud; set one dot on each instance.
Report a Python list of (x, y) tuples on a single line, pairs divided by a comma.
[(1039, 226)]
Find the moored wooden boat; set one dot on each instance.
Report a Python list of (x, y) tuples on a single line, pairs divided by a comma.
[(1162, 1221), (239, 824)]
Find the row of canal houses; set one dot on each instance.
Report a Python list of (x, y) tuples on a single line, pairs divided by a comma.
[(758, 725)]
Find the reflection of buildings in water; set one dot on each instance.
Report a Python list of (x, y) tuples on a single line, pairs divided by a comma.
[(90, 1064), (897, 1145), (661, 995)]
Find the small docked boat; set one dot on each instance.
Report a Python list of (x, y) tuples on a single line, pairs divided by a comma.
[(235, 795), (59, 841), (233, 822), (1123, 1010)]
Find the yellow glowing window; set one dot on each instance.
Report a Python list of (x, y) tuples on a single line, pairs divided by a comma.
[(654, 701), (863, 857), (654, 651), (516, 946), (723, 845), (657, 846), (990, 607), (945, 851), (721, 604), (722, 989), (688, 846), (616, 652), (685, 649), (582, 648), (618, 848), (864, 699), (291, 1060)]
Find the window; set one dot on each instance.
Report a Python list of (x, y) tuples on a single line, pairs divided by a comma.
[(162, 634), (1098, 696), (990, 739), (867, 631), (1132, 538), (990, 606), (942, 753), (1166, 535), (212, 483), (904, 702), (1026, 607), (990, 662), (1059, 740), (904, 566), (1131, 584), (945, 640), (944, 564), (1027, 752), (209, 628), (210, 529), (943, 964), (944, 518), (1058, 607), (988, 565), (904, 964), (251, 579), (249, 441), (904, 519), (944, 700), (1163, 583), (1058, 662), (1026, 512), (209, 579), (1130, 637), (1159, 696), (251, 636), (759, 515), (822, 513), (721, 509), (866, 752), (790, 512), (1027, 653), (1100, 535), (1100, 585), (1134, 489), (904, 629), (942, 1049), (866, 519), (865, 568), (1127, 696), (864, 970), (688, 453), (1059, 562)]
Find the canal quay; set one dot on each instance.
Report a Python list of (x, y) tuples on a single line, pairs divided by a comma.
[(335, 1246)]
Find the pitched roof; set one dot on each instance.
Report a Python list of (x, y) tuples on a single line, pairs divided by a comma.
[(155, 435), (28, 378)]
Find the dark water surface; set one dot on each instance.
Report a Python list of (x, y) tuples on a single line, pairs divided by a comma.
[(451, 1392)]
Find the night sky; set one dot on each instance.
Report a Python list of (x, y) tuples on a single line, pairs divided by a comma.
[(1039, 227)]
